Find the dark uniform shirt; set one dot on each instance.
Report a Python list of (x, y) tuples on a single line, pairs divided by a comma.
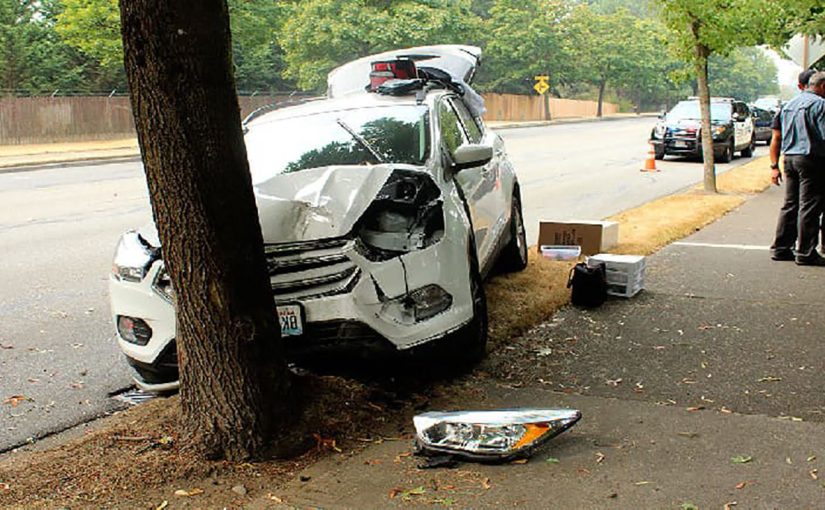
[(803, 126)]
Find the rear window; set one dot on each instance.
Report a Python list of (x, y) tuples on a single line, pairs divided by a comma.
[(366, 136)]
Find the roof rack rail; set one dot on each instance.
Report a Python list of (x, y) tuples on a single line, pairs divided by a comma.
[(275, 106)]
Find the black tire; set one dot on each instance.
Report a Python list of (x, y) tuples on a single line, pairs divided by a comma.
[(727, 153), (748, 152), (470, 343), (514, 256), (659, 152)]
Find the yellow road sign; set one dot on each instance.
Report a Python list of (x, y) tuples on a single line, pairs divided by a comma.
[(541, 85)]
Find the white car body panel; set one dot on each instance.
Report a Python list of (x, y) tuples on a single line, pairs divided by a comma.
[(308, 220)]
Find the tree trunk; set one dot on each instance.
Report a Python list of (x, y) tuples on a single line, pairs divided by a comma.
[(234, 382), (701, 68), (601, 98)]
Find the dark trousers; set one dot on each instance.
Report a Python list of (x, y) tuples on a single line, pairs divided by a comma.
[(786, 226), (799, 216)]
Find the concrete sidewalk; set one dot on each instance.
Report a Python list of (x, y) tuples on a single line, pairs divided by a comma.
[(47, 154), (704, 390)]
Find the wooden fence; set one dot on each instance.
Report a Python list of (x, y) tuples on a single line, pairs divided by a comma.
[(25, 120), (526, 108)]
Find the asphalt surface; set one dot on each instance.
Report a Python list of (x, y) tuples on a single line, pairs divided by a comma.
[(703, 391), (59, 226)]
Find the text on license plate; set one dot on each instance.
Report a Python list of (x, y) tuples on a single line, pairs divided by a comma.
[(678, 143), (290, 318)]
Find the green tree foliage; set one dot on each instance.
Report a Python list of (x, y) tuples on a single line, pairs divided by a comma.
[(617, 48), (93, 27), (746, 74), (523, 39), (323, 34), (701, 28), (33, 59)]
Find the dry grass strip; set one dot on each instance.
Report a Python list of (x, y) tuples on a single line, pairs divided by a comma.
[(519, 301)]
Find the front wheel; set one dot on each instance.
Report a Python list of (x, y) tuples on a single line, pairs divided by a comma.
[(748, 152), (727, 153), (514, 255)]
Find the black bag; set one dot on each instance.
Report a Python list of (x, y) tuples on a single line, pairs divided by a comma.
[(589, 285)]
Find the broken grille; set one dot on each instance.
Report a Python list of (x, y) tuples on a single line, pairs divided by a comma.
[(312, 269)]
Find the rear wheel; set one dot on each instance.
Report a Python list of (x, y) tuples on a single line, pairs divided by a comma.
[(514, 255)]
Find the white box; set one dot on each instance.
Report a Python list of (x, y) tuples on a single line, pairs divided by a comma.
[(625, 273)]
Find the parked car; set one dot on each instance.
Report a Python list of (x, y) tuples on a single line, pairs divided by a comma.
[(762, 120), (382, 212), (678, 132), (770, 103)]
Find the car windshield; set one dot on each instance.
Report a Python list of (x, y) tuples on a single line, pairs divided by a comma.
[(364, 136), (690, 110)]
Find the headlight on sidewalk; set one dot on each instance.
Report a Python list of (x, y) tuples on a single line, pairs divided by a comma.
[(490, 435), (132, 258)]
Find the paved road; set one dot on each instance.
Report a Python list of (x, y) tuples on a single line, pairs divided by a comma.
[(58, 228)]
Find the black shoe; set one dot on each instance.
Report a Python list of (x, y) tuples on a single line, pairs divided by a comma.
[(813, 261), (783, 256)]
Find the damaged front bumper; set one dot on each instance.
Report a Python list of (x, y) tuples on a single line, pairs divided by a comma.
[(347, 302)]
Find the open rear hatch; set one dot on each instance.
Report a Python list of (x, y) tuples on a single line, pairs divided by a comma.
[(459, 61)]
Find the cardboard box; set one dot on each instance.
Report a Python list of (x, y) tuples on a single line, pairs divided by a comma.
[(593, 236)]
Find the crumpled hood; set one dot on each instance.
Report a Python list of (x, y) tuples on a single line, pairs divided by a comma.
[(311, 204), (317, 204)]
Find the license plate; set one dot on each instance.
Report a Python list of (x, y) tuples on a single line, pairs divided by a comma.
[(292, 323), (680, 144)]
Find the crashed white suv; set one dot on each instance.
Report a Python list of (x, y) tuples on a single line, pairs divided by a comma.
[(382, 211)]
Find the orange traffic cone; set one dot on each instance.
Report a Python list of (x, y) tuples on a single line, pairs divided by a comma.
[(650, 162)]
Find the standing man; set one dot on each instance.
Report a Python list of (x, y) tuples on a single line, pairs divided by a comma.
[(786, 228), (803, 143)]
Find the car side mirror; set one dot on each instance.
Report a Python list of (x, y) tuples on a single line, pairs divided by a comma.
[(470, 155)]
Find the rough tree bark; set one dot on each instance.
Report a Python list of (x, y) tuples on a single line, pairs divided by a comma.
[(700, 63), (234, 382)]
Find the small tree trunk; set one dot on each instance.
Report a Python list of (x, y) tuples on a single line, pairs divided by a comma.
[(701, 68), (234, 382), (602, 85)]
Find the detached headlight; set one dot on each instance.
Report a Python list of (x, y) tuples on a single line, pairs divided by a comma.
[(133, 256), (490, 435), (406, 215)]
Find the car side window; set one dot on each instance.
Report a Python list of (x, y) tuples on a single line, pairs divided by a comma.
[(452, 136), (470, 126)]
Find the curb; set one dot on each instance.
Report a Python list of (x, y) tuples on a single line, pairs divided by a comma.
[(92, 160), (572, 120)]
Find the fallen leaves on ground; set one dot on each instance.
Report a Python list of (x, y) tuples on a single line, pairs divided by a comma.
[(742, 485), (552, 460), (689, 506), (614, 382), (519, 461), (599, 457), (14, 400), (485, 484), (695, 408), (163, 505), (325, 443), (187, 493), (689, 435), (741, 459), (401, 456), (730, 505), (643, 482), (814, 473), (769, 378)]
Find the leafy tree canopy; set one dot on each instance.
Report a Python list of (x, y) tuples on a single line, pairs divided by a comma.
[(323, 34)]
